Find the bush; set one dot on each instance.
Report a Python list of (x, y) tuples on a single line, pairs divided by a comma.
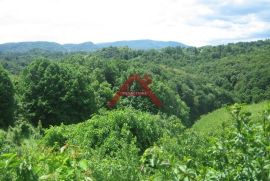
[(113, 128), (54, 137), (23, 130)]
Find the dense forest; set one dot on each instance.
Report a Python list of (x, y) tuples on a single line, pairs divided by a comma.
[(56, 125)]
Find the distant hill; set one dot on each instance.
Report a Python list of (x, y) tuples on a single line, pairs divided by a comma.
[(86, 46), (26, 46), (142, 44)]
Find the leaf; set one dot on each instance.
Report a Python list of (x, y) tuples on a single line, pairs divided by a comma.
[(7, 156), (83, 164), (45, 177), (267, 167), (182, 168)]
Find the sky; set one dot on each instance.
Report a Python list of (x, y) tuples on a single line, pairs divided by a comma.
[(192, 22)]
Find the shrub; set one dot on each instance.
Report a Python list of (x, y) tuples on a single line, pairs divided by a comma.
[(54, 137), (111, 129)]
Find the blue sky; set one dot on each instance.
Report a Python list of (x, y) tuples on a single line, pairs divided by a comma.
[(193, 22)]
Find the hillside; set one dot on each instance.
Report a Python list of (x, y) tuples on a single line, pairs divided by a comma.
[(211, 123), (55, 122)]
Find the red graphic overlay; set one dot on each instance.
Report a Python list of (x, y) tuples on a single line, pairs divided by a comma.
[(146, 91)]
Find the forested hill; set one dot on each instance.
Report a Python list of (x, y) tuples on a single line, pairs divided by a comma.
[(142, 44), (86, 46), (189, 81), (56, 124)]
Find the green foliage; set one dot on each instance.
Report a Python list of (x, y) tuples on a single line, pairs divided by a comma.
[(213, 122), (136, 140), (240, 153), (54, 138), (55, 93), (107, 147), (7, 103), (2, 138), (43, 164), (122, 166), (171, 102), (13, 167), (21, 130), (126, 145), (182, 94), (110, 130), (21, 133)]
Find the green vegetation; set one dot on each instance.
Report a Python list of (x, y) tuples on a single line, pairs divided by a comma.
[(214, 123), (128, 144), (6, 99), (53, 93)]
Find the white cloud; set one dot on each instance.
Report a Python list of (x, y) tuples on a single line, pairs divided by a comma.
[(77, 21)]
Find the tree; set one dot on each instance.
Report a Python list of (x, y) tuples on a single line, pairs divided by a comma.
[(55, 93), (6, 99)]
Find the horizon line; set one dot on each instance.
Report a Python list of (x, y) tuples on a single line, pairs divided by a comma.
[(128, 40)]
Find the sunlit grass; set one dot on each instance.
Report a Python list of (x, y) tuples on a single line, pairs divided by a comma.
[(211, 123)]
